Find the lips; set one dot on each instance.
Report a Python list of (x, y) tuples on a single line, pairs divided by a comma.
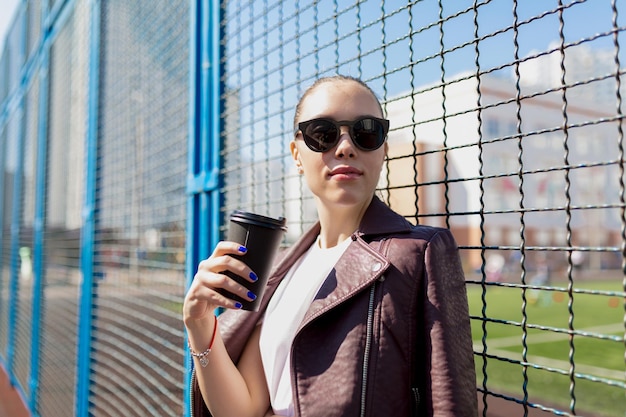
[(345, 172)]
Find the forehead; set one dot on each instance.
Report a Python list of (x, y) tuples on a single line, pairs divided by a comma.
[(340, 100)]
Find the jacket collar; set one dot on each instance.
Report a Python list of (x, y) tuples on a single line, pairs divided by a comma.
[(362, 263), (379, 219)]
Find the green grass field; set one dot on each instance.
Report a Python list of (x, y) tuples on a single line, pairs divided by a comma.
[(593, 357)]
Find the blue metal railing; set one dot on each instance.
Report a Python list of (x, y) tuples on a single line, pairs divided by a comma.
[(87, 248), (204, 184)]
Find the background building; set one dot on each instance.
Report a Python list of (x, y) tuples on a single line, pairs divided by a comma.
[(520, 158)]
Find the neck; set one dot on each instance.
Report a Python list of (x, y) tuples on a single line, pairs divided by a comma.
[(338, 222)]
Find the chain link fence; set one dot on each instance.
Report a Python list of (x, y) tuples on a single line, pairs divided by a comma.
[(140, 238), (130, 130)]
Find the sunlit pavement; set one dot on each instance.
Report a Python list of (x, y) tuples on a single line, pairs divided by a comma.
[(11, 403)]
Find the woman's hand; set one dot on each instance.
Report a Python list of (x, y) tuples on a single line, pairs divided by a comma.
[(227, 389), (203, 298)]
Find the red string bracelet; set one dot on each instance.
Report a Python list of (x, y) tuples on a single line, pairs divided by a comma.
[(202, 356)]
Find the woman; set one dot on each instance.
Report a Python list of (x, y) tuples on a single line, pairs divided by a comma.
[(366, 315)]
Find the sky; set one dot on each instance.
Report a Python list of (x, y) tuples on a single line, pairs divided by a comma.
[(7, 10), (593, 8)]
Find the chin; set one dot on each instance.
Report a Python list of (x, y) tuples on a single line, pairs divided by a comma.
[(350, 199)]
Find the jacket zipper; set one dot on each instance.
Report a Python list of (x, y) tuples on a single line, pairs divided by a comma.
[(368, 347), (416, 400), (369, 332)]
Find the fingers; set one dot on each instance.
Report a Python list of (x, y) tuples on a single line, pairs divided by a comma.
[(213, 284), (225, 247), (219, 261)]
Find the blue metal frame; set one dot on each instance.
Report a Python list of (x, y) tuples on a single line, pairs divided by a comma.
[(3, 147), (39, 220), (38, 230), (89, 222), (2, 192), (204, 199), (16, 210), (191, 227), (215, 123)]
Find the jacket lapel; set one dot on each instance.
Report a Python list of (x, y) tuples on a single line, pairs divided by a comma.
[(379, 220), (357, 268), (362, 263)]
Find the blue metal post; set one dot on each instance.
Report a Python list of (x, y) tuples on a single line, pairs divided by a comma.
[(89, 221), (192, 206), (216, 89), (38, 229), (204, 160), (16, 215), (16, 211), (2, 196), (3, 147)]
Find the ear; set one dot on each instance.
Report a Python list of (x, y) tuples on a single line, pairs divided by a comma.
[(295, 153)]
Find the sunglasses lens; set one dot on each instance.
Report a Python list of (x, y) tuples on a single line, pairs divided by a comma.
[(369, 134), (321, 135)]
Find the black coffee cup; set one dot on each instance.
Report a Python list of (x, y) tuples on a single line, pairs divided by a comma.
[(261, 235)]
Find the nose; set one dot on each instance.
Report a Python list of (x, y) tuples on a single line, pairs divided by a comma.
[(345, 146)]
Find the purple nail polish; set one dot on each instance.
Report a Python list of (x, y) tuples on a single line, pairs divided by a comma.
[(253, 276)]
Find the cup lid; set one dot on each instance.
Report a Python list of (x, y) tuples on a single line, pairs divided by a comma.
[(258, 220)]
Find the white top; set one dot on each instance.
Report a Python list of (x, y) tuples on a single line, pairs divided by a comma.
[(284, 314)]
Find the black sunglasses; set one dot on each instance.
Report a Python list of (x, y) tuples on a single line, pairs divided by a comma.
[(367, 133)]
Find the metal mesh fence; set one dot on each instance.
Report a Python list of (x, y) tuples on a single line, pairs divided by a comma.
[(12, 62), (33, 36), (4, 272), (23, 340), (63, 221), (140, 238), (506, 127), (5, 289)]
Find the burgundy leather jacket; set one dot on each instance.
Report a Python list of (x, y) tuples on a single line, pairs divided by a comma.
[(388, 334)]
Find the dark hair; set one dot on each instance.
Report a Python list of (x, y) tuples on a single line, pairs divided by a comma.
[(331, 79)]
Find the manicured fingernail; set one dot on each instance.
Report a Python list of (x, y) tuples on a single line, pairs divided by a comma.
[(243, 249), (238, 305), (253, 276), (251, 295)]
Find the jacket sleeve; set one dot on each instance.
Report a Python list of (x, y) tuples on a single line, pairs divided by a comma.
[(451, 388)]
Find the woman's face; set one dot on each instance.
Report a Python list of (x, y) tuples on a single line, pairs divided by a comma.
[(344, 175)]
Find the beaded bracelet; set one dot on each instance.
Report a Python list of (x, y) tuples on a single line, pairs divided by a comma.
[(202, 356)]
